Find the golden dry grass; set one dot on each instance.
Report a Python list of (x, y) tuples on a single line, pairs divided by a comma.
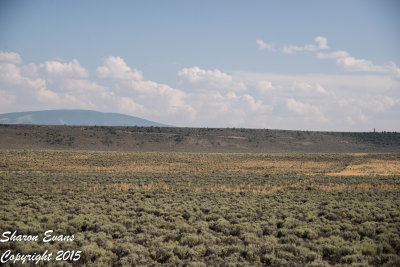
[(372, 167), (82, 161), (304, 165)]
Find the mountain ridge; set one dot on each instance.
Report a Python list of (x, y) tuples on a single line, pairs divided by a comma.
[(203, 140)]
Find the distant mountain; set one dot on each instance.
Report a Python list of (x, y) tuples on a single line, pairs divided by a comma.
[(74, 117)]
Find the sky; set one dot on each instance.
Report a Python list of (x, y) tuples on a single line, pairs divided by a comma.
[(296, 65)]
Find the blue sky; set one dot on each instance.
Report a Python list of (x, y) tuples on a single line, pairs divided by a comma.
[(318, 65)]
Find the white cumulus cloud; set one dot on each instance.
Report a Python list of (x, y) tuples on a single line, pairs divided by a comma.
[(305, 109), (44, 95), (321, 43), (358, 65), (301, 108), (128, 105), (10, 57), (6, 98), (264, 87), (333, 55), (11, 76), (201, 79), (71, 69), (263, 45), (351, 64), (195, 75), (116, 68)]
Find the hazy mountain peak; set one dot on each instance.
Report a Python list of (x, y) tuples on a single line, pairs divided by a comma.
[(74, 117)]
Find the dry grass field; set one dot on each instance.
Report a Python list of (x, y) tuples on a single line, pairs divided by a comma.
[(355, 164), (205, 209)]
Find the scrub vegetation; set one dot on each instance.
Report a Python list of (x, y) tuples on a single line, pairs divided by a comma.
[(193, 209), (206, 140)]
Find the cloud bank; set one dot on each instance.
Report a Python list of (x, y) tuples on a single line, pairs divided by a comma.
[(364, 97)]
